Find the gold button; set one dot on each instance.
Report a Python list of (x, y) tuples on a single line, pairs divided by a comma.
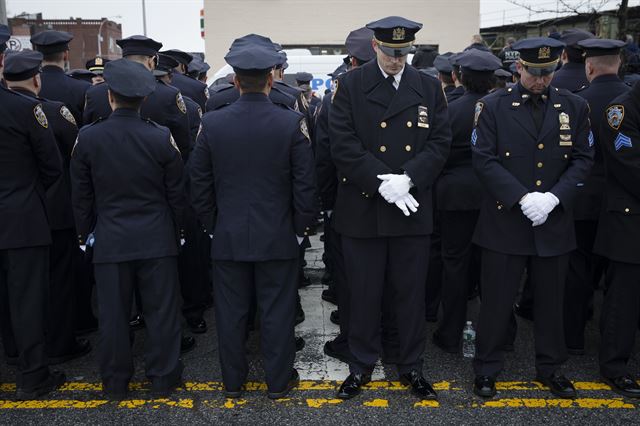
[(383, 124), (307, 228), (507, 154), (627, 210), (541, 146), (383, 148), (407, 148), (538, 182), (409, 124), (306, 233), (539, 165), (344, 179)]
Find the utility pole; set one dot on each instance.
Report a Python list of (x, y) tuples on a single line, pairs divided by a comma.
[(144, 19), (3, 12)]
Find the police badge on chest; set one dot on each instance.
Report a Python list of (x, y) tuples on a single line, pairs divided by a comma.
[(565, 129), (423, 117)]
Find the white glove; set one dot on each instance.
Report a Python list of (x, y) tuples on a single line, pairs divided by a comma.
[(300, 239), (407, 203), (394, 187), (537, 206)]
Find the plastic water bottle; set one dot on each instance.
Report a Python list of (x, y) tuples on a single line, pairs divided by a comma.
[(468, 341)]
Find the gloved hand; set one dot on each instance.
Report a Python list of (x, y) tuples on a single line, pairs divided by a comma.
[(407, 203), (300, 239), (394, 187), (537, 206)]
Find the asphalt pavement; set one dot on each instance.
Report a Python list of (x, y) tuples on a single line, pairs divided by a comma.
[(520, 400)]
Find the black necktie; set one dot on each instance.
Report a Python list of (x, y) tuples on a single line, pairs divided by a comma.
[(537, 111), (391, 79)]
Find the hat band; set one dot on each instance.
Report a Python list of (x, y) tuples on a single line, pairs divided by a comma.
[(537, 65), (394, 45), (96, 68)]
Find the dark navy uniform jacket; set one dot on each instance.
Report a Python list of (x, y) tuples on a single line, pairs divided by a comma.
[(571, 76), (29, 164), (512, 159), (618, 236), (65, 131), (325, 168), (194, 112), (376, 129), (58, 86), (128, 188), (165, 106), (455, 93), (228, 95), (598, 94), (252, 180), (192, 88), (458, 187)]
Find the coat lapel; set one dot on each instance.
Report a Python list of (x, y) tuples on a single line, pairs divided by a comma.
[(408, 93), (376, 88), (551, 114), (522, 115)]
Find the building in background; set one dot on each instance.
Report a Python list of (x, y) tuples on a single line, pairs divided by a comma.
[(323, 26), (84, 45)]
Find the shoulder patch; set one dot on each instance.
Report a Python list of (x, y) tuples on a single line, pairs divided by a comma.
[(40, 116), (615, 115), (333, 95), (173, 142), (200, 112), (296, 107), (206, 92), (64, 111), (180, 103), (305, 103), (478, 111), (304, 129)]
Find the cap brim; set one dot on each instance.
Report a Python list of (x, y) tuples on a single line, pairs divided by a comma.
[(540, 72), (395, 52)]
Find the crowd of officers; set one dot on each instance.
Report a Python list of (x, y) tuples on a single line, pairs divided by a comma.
[(466, 175)]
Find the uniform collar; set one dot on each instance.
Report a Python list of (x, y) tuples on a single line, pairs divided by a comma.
[(254, 97), (526, 94), (52, 69), (25, 92), (125, 112), (607, 78), (396, 77)]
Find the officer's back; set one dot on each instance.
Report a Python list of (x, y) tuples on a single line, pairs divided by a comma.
[(228, 95)]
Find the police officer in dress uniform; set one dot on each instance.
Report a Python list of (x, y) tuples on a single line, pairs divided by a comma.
[(257, 209), (459, 196), (96, 66), (444, 68), (190, 87), (530, 148), (56, 85), (358, 44), (618, 240), (22, 74), (389, 140), (602, 61), (572, 75), (128, 201), (29, 164)]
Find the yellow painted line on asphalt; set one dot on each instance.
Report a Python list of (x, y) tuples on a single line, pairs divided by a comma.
[(320, 402), (156, 403), (52, 403), (426, 404), (590, 403), (378, 403)]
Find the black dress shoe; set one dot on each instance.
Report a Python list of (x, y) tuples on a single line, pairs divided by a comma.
[(326, 278), (484, 386), (137, 322), (334, 317), (232, 393), (187, 344), (305, 281), (559, 385), (53, 382), (352, 385), (625, 386), (330, 350), (329, 295), (81, 348), (419, 385), (437, 340), (299, 343), (197, 326), (293, 382), (115, 394)]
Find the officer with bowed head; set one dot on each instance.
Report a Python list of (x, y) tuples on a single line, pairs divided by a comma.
[(530, 149)]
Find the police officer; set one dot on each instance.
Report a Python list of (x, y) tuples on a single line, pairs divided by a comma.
[(389, 140), (530, 148), (443, 66), (459, 196), (30, 165), (358, 44), (128, 201), (191, 87), (56, 85), (602, 61), (257, 216), (22, 74), (572, 75), (618, 240), (96, 66), (83, 75), (165, 105)]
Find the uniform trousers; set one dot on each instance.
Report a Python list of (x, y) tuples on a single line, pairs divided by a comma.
[(619, 319), (372, 265), (341, 342), (24, 278), (157, 280), (275, 285), (500, 281), (433, 292)]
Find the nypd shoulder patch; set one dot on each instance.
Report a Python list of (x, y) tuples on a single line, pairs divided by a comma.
[(40, 116), (180, 103), (304, 129), (64, 112), (615, 115)]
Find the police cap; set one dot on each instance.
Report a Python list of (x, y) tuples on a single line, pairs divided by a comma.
[(19, 66), (572, 36), (442, 63), (256, 59), (82, 74), (358, 44), (502, 73), (165, 65), (128, 78), (539, 55), (600, 47), (304, 77), (180, 56), (96, 65), (51, 41), (394, 35), (139, 45), (478, 60)]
